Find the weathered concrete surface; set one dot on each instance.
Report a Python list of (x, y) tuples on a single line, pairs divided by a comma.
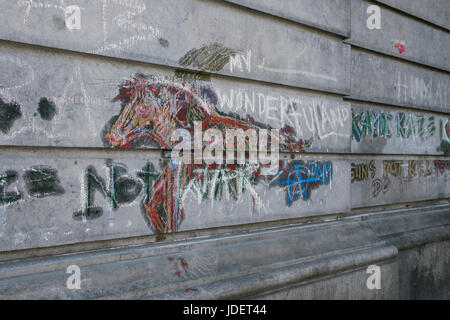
[(425, 272), (387, 80), (392, 180), (82, 89), (255, 46), (332, 16), (233, 266), (346, 286), (325, 260), (435, 11), (422, 42), (378, 129), (422, 237), (55, 197)]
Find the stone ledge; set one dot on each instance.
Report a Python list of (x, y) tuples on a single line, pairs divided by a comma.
[(234, 266)]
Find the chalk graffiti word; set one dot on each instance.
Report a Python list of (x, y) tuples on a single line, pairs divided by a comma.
[(421, 91), (241, 62), (121, 190), (380, 185), (416, 167), (372, 124), (42, 181), (305, 116), (212, 57), (301, 178), (374, 20), (392, 168), (360, 172), (441, 165)]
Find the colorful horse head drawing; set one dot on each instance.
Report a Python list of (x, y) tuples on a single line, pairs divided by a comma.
[(153, 109)]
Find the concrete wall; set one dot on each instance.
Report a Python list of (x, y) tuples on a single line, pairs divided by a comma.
[(363, 177)]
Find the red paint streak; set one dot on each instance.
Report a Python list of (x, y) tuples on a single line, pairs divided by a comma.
[(191, 289), (170, 258), (401, 48)]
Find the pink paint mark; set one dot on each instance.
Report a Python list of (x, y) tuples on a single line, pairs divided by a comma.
[(401, 48)]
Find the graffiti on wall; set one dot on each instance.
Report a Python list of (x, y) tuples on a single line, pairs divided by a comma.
[(424, 128), (211, 57), (444, 136), (9, 112), (301, 178), (360, 172), (122, 189), (47, 109), (165, 191), (390, 170), (307, 117), (405, 125), (441, 166), (12, 111), (428, 91), (41, 181), (152, 109)]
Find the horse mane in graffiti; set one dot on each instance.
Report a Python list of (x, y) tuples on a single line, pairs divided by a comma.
[(151, 110)]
